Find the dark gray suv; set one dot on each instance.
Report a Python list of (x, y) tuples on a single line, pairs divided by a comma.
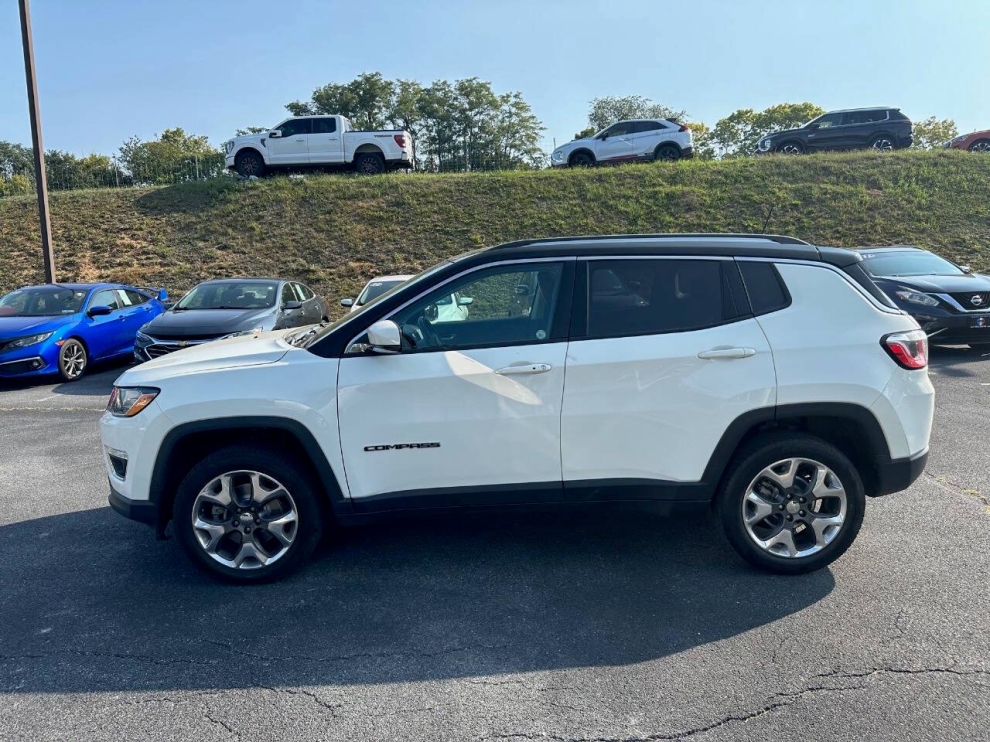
[(856, 128), (221, 308)]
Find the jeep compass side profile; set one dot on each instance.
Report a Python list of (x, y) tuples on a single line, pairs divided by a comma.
[(761, 376)]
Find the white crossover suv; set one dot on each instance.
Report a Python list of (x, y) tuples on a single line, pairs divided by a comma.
[(761, 376), (628, 141)]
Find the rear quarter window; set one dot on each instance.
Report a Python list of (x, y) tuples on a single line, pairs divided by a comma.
[(764, 287)]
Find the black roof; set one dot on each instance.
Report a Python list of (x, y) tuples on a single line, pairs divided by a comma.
[(889, 248), (729, 245)]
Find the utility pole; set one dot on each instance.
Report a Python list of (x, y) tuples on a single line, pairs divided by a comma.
[(40, 176)]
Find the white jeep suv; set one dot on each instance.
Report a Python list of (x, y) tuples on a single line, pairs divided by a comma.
[(640, 140), (760, 376)]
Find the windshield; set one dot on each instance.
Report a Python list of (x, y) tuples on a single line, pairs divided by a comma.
[(375, 289), (47, 301), (307, 339), (909, 264), (230, 295)]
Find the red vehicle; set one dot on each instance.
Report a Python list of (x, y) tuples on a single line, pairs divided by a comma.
[(978, 141)]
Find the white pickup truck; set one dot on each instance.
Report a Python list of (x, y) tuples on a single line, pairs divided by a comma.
[(319, 141)]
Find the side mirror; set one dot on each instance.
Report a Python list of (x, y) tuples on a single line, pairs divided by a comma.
[(814, 126), (100, 311), (290, 305), (384, 337), (162, 295), (347, 303), (275, 134), (603, 136), (465, 301), (965, 269)]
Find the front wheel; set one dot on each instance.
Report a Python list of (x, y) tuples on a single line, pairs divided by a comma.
[(250, 164), (980, 145), (72, 360), (581, 159), (791, 148), (792, 504), (247, 514)]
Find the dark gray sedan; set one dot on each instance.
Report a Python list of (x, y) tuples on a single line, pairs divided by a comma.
[(221, 308)]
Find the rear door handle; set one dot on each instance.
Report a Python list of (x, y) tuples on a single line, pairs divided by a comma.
[(528, 368), (728, 353)]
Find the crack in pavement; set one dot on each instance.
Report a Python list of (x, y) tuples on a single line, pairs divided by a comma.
[(940, 480), (776, 701), (332, 708), (222, 723)]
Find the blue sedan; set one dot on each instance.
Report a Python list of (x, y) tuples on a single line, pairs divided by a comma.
[(63, 328)]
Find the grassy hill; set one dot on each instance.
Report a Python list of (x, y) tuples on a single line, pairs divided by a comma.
[(335, 232)]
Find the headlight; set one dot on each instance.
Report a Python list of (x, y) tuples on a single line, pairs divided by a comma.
[(764, 144), (229, 145), (958, 139), (143, 338), (557, 155), (29, 340), (127, 401), (241, 333), (916, 297)]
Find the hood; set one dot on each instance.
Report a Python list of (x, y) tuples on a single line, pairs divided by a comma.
[(248, 350), (941, 284), (14, 327), (207, 322), (784, 132), (258, 139)]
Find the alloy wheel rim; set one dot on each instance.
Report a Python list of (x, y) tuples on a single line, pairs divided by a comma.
[(884, 145), (250, 165), (981, 147), (370, 167), (245, 520), (790, 149), (73, 361), (794, 508)]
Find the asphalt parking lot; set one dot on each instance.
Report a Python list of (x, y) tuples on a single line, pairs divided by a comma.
[(510, 628)]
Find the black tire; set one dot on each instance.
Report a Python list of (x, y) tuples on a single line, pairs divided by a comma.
[(369, 163), (790, 147), (274, 465), (746, 469), (581, 159), (73, 360), (980, 145), (666, 153), (883, 143), (248, 164)]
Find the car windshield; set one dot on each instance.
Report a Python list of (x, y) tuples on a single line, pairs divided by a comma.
[(47, 301), (909, 264), (230, 295), (375, 289)]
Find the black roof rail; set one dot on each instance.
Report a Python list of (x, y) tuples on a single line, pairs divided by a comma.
[(778, 238)]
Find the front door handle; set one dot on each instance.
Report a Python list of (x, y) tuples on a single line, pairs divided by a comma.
[(527, 368), (727, 353)]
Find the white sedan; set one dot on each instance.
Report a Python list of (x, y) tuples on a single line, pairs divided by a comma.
[(453, 308)]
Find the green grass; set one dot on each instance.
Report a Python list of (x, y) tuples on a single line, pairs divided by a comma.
[(335, 232)]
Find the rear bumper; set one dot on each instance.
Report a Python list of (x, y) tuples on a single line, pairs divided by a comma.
[(142, 511), (899, 474)]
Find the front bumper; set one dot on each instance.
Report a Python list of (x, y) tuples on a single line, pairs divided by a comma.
[(32, 365), (955, 328), (229, 161), (895, 475), (142, 511)]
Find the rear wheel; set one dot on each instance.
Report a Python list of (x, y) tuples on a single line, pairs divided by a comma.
[(791, 148), (249, 164), (369, 163), (792, 504), (581, 159), (980, 145), (667, 153), (247, 514), (72, 360), (883, 143)]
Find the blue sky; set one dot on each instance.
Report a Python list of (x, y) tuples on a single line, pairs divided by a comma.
[(109, 69)]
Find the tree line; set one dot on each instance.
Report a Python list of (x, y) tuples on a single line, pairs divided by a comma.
[(458, 125)]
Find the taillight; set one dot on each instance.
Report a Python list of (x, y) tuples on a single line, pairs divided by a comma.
[(908, 349), (400, 139), (684, 127)]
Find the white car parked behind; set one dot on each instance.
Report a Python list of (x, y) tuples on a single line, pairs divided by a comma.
[(453, 308), (641, 140)]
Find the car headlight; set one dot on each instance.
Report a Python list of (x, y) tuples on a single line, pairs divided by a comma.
[(764, 144), (916, 297), (228, 145), (242, 333), (958, 138), (557, 155), (127, 401), (29, 340), (143, 338)]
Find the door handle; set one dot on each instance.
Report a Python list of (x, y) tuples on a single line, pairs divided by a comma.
[(300, 139), (728, 353), (527, 368)]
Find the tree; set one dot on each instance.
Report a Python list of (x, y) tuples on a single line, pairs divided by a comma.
[(739, 132), (15, 159), (367, 100), (252, 130), (704, 149), (174, 157), (586, 133), (932, 133), (606, 111)]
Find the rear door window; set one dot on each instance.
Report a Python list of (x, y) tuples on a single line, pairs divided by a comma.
[(764, 286)]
